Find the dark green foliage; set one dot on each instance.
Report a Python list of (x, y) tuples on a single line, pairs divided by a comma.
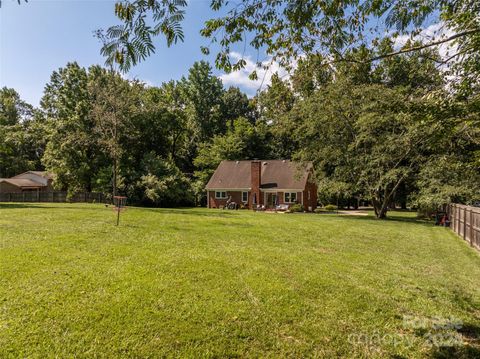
[(129, 43), (337, 33), (236, 104), (22, 140), (389, 133), (203, 95), (72, 153), (157, 145), (164, 184)]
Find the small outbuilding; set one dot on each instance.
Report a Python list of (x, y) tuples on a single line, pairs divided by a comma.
[(29, 181)]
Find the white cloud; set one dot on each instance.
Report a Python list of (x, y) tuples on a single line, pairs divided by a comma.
[(130, 77), (434, 32), (241, 79)]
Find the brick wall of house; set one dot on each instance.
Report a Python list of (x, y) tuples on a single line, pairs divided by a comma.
[(219, 203), (256, 180), (237, 197), (312, 202)]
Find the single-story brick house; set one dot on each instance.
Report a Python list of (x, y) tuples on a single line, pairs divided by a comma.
[(26, 182), (262, 182)]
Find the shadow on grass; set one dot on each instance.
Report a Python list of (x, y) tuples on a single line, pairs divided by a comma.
[(202, 212), (400, 219), (43, 205), (470, 348), (23, 205), (465, 351)]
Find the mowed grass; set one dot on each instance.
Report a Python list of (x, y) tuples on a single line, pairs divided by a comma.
[(212, 283)]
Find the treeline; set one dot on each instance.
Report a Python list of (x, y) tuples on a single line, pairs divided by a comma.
[(393, 133), (97, 131)]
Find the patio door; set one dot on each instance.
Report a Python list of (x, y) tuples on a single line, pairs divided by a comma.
[(271, 200)]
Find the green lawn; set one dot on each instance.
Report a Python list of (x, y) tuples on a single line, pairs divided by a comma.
[(211, 283)]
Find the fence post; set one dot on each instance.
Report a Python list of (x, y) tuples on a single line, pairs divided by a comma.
[(458, 220), (471, 228), (452, 218), (454, 221), (465, 223)]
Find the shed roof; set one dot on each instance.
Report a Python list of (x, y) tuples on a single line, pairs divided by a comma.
[(43, 174), (275, 174), (22, 182)]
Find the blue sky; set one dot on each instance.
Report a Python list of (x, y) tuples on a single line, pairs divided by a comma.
[(39, 37)]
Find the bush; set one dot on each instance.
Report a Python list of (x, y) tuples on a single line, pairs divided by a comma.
[(330, 207), (296, 208), (318, 210), (164, 184)]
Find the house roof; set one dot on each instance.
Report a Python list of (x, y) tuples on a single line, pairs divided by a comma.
[(22, 182), (275, 174), (43, 174)]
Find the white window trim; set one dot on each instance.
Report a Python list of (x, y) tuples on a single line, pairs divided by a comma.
[(220, 197), (229, 189), (244, 201), (290, 197)]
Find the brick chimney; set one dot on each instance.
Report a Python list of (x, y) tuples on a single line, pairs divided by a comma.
[(256, 179)]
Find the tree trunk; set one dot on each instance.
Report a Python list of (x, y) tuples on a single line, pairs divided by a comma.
[(114, 182), (380, 207), (382, 214)]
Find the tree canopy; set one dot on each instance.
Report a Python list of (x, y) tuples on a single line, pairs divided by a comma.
[(385, 122), (287, 30)]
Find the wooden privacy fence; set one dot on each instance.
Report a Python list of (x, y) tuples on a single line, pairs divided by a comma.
[(53, 197), (465, 221)]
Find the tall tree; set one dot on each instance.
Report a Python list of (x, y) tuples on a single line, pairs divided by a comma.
[(368, 137), (13, 110), (311, 74), (167, 105), (416, 70), (72, 152), (203, 93), (275, 103), (21, 143), (235, 104), (114, 103)]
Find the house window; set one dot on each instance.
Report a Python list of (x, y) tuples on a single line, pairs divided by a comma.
[(290, 197), (309, 195), (244, 197), (220, 195)]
